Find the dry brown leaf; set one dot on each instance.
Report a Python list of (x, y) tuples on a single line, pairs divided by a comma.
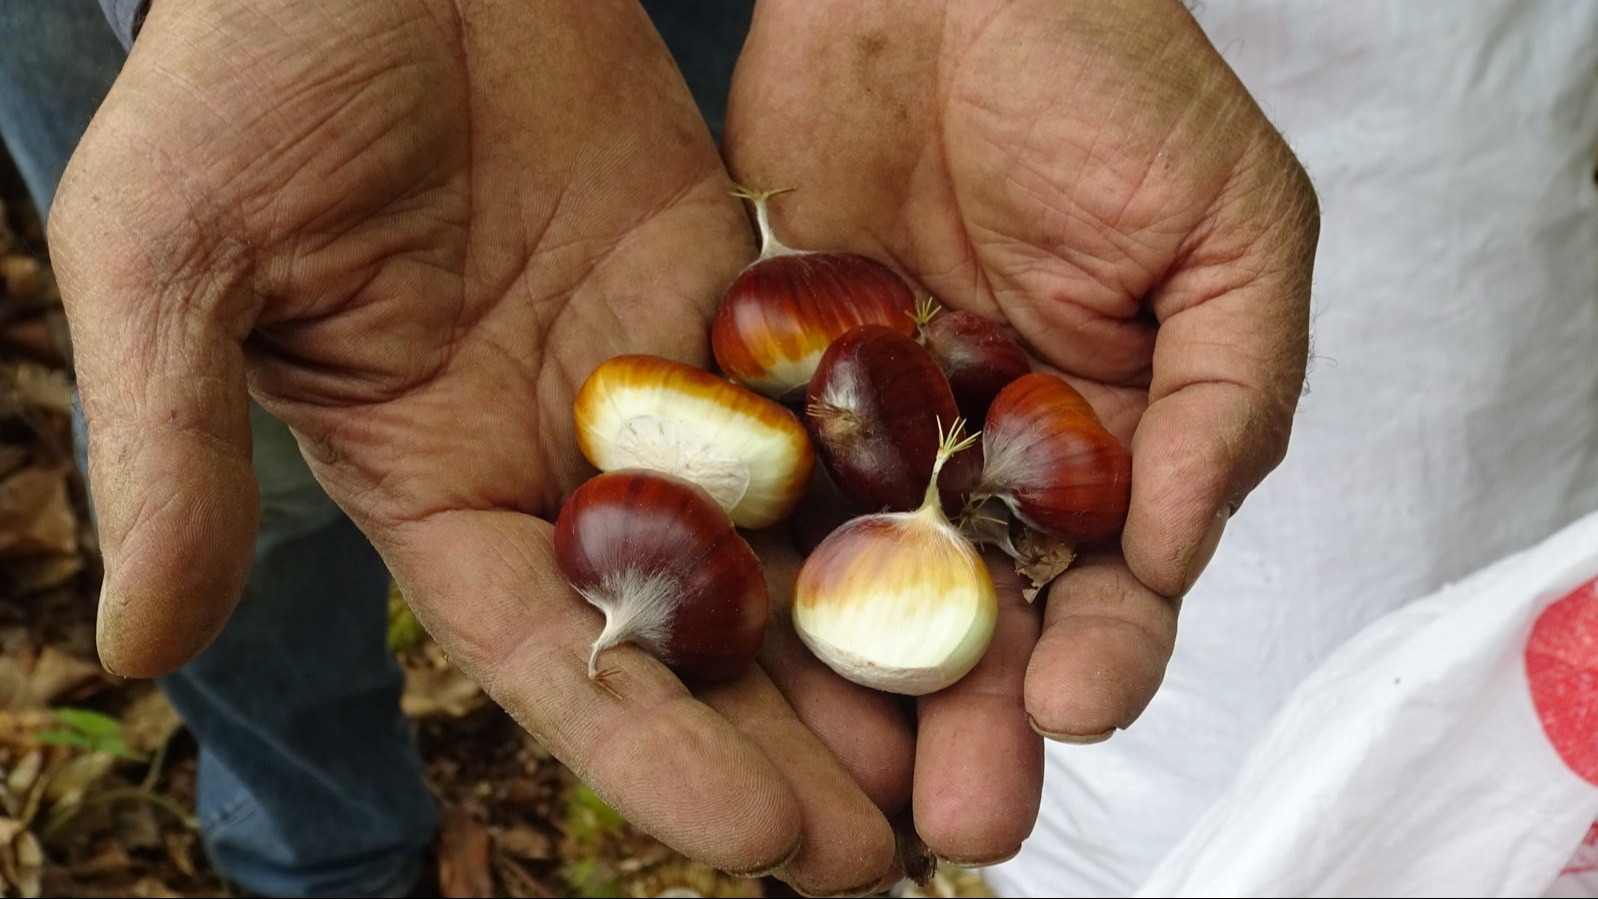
[(36, 515), (136, 826), (21, 860), (31, 385), (58, 674), (465, 856), (918, 862), (519, 883), (150, 722), (33, 337), (440, 691), (20, 274), (524, 842), (73, 779), (108, 859), (12, 457), (15, 692), (180, 851), (154, 889), (36, 574), (20, 782), (1040, 558)]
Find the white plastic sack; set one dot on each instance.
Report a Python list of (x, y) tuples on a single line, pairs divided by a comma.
[(1450, 749), (1451, 420)]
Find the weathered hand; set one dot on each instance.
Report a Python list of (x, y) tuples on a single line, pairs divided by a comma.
[(1093, 174), (410, 229)]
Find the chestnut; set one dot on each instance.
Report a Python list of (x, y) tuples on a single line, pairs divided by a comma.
[(668, 569), (1048, 458), (876, 407), (780, 314), (977, 356), (899, 601), (751, 454)]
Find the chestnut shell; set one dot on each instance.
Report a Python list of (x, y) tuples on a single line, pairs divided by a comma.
[(653, 524), (978, 357), (875, 407), (1052, 461), (785, 310)]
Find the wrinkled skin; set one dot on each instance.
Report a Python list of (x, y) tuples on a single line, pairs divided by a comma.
[(412, 248), (1094, 176), (410, 229)]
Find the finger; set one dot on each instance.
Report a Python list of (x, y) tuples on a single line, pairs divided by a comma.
[(979, 765), (1102, 655), (486, 584), (846, 846), (865, 730), (1229, 364), (161, 376)]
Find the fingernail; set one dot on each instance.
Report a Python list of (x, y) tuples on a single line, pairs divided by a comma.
[(870, 888), (1078, 739), (983, 863), (757, 873), (1206, 547)]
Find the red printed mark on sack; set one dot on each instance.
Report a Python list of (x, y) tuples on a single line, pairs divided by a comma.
[(1562, 666), (1586, 857)]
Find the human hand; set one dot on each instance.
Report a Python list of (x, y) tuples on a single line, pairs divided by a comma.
[(410, 229), (1095, 176)]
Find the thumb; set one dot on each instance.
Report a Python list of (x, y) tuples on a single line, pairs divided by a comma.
[(161, 376), (1229, 364)]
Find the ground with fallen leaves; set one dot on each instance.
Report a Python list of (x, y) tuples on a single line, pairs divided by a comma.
[(97, 772)]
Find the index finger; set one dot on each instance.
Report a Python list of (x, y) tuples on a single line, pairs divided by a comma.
[(486, 584)]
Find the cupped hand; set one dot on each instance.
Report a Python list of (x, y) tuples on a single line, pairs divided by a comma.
[(1093, 175), (410, 229)]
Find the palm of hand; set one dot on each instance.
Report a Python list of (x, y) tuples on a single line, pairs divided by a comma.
[(413, 253), (1095, 178)]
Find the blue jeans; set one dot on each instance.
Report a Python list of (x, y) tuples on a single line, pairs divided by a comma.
[(309, 782)]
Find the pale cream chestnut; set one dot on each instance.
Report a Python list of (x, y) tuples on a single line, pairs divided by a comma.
[(750, 454), (898, 601)]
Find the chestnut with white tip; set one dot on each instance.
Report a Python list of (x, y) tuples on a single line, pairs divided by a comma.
[(1048, 457), (669, 571), (781, 313), (898, 601)]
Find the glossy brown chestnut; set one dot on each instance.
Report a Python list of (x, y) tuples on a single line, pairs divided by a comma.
[(877, 408), (1053, 463), (783, 311), (977, 356), (664, 563)]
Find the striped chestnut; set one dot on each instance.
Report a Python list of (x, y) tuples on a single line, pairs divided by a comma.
[(1053, 463), (750, 454), (876, 407), (781, 313), (663, 562)]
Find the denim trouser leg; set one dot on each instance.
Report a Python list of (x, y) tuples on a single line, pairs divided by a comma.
[(310, 783), (57, 60)]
